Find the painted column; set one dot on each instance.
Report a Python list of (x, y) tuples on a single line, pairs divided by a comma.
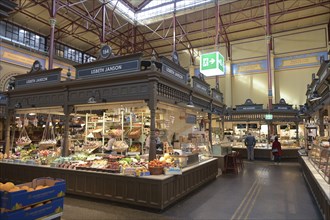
[(152, 104), (10, 115), (209, 115), (269, 48), (228, 84), (217, 38), (68, 109), (191, 71), (321, 124), (272, 70)]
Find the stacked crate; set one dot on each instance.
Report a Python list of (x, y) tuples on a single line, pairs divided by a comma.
[(45, 200)]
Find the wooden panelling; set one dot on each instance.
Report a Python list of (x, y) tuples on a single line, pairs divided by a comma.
[(131, 190), (120, 192), (155, 198), (108, 187), (143, 192), (98, 185), (152, 193), (80, 183), (319, 194)]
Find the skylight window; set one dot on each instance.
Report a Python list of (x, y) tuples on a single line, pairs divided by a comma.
[(155, 10)]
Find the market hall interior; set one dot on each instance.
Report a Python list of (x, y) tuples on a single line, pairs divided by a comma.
[(262, 191)]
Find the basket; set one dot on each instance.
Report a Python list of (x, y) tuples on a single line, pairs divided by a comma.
[(134, 133), (156, 170), (47, 143), (23, 143)]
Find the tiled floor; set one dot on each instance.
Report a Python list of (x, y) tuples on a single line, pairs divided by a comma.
[(262, 191)]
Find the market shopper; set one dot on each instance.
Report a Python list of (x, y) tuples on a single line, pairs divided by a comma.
[(159, 145), (108, 148), (277, 150), (250, 143)]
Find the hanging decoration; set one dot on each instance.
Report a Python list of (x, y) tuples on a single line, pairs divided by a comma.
[(25, 121), (19, 123), (23, 138), (48, 137), (35, 121)]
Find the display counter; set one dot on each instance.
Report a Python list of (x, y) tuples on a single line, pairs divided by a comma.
[(265, 152), (319, 187), (155, 191)]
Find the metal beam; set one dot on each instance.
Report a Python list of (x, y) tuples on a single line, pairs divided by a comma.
[(52, 20)]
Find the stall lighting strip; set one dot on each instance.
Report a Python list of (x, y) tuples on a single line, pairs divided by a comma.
[(109, 106), (56, 110)]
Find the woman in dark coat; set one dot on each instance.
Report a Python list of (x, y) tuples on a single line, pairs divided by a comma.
[(277, 150)]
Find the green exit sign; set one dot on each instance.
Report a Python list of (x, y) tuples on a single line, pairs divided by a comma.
[(212, 64), (268, 116)]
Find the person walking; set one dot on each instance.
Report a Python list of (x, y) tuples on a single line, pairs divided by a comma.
[(277, 150), (250, 143)]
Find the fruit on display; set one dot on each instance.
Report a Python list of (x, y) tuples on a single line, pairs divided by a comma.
[(14, 189), (25, 188), (11, 187), (39, 187), (30, 189), (167, 158), (156, 163), (7, 186), (135, 147)]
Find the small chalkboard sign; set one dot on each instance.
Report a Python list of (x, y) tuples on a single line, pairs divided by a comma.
[(191, 119)]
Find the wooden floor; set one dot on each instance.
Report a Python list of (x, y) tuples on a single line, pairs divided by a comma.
[(262, 191)]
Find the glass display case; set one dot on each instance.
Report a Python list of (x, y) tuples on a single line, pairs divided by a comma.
[(320, 158)]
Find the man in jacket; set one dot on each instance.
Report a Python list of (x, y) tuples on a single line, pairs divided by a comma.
[(250, 142)]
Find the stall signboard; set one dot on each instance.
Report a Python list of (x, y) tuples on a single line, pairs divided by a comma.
[(212, 64), (174, 70), (200, 85), (173, 73), (109, 69), (47, 77), (217, 95), (282, 107), (248, 107)]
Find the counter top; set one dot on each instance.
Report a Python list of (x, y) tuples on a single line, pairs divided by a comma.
[(153, 177)]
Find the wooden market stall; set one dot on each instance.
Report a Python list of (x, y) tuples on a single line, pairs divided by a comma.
[(250, 117), (315, 158), (101, 85)]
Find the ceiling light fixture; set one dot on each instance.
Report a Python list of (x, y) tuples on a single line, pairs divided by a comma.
[(190, 103)]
